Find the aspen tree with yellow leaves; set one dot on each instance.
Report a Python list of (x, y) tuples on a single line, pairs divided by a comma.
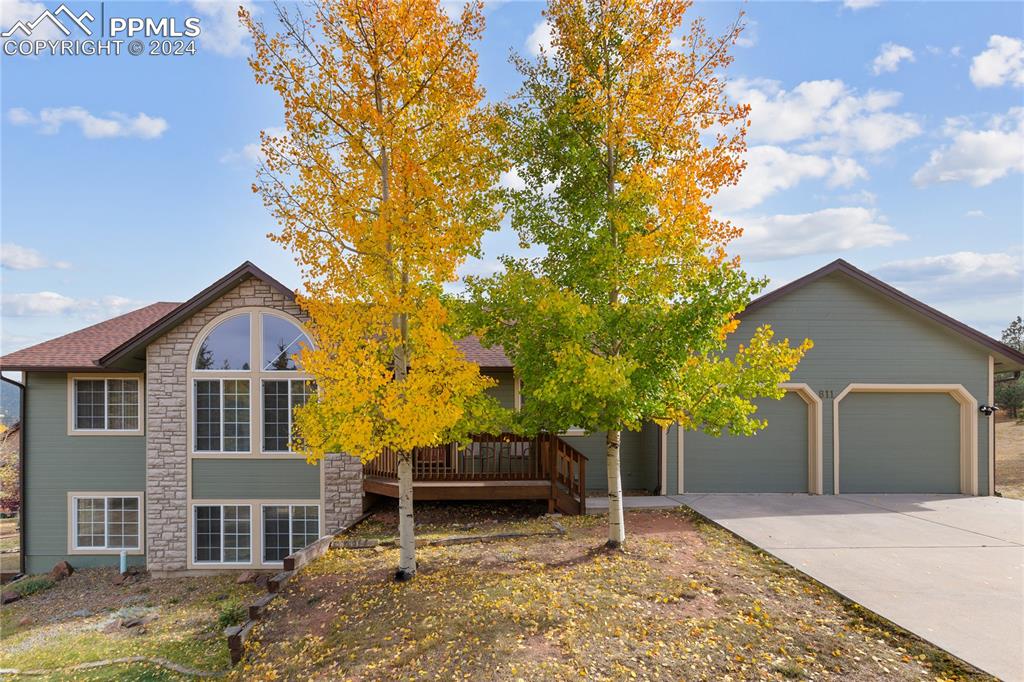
[(382, 184), (621, 134)]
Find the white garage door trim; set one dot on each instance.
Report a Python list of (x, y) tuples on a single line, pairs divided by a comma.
[(814, 442), (968, 426)]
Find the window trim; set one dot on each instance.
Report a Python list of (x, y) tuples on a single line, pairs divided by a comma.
[(291, 408), (290, 505), (255, 375), (220, 381), (72, 404), (256, 527), (72, 522), (194, 544)]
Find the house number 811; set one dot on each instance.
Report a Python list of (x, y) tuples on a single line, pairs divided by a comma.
[(826, 395)]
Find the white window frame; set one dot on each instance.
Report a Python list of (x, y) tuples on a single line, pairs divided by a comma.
[(195, 534), (255, 375), (291, 409), (195, 407), (73, 498), (73, 380), (291, 506)]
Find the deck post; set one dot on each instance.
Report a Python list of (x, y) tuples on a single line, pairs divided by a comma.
[(550, 457)]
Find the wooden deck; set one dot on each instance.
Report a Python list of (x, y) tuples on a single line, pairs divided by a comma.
[(503, 467)]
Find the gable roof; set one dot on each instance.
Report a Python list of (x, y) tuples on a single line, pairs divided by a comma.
[(1005, 355), (81, 350), (102, 345), (136, 342)]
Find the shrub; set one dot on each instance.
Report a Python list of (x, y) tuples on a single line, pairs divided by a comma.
[(31, 585), (232, 612)]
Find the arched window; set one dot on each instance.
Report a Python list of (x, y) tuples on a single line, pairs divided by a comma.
[(282, 340), (227, 346), (229, 388)]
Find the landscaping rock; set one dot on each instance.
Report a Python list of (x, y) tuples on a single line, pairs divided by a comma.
[(81, 613), (246, 577), (262, 579), (61, 570), (8, 597), (24, 622), (120, 579)]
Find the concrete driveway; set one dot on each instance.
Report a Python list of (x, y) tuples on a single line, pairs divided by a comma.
[(948, 568)]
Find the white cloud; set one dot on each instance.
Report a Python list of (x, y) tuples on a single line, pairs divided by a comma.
[(845, 172), (955, 274), (50, 304), (771, 169), (1001, 63), (889, 58), (860, 4), (251, 153), (540, 39), (222, 32), (512, 180), (824, 115), (51, 120), (955, 50), (748, 38), (978, 157), (14, 257), (829, 230), (975, 213)]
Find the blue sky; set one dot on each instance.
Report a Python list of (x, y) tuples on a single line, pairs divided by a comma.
[(889, 134)]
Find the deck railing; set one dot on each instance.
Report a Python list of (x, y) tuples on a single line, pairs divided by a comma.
[(504, 457)]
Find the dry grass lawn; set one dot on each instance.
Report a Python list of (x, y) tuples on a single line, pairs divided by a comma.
[(686, 600), (75, 622), (1010, 459)]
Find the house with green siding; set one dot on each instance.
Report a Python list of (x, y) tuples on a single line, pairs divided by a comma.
[(164, 433)]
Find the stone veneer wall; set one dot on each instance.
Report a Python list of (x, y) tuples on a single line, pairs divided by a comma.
[(167, 439), (343, 491)]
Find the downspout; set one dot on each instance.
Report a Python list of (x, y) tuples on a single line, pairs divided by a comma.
[(22, 472)]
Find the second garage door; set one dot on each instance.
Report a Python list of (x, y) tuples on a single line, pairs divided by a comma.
[(899, 443), (773, 461)]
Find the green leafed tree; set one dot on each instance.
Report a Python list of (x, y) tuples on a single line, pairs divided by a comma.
[(620, 135)]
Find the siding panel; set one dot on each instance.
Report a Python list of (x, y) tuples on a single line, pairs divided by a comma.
[(860, 337), (56, 463), (266, 479)]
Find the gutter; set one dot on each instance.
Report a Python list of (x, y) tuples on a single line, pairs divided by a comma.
[(22, 471)]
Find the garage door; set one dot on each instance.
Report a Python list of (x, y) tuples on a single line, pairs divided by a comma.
[(773, 461), (899, 443)]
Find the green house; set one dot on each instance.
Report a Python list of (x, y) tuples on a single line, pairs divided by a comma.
[(163, 433)]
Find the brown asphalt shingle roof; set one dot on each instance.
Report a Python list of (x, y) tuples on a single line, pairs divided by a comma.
[(82, 349), (492, 358)]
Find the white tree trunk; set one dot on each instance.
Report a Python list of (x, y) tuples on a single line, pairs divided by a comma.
[(406, 532), (616, 522)]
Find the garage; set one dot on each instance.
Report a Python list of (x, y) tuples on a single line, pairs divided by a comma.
[(904, 439), (775, 460)]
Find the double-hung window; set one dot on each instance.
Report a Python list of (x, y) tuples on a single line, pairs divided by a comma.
[(222, 534), (106, 522), (280, 398), (108, 404), (288, 528), (222, 415)]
